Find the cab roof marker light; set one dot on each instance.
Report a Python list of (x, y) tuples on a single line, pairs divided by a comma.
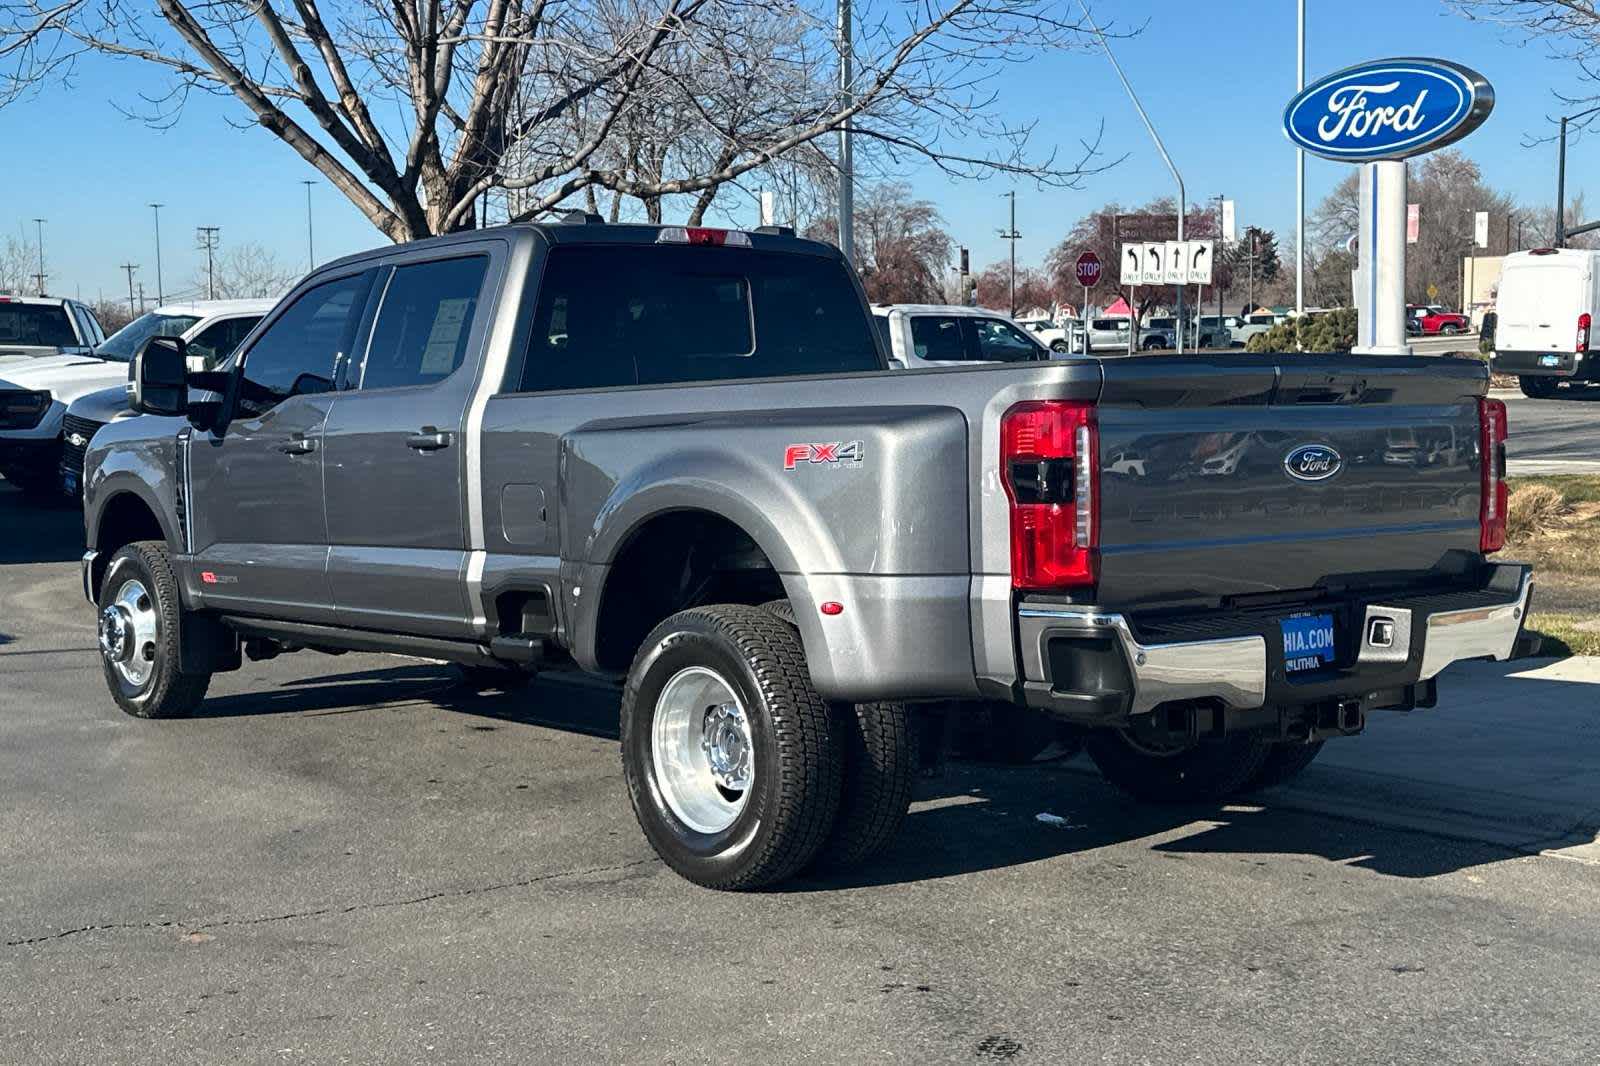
[(731, 238)]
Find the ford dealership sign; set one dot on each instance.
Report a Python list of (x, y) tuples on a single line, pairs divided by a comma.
[(1388, 109)]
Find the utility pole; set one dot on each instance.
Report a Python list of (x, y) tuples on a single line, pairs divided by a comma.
[(311, 248), (41, 275), (847, 203), (208, 241), (161, 292), (1183, 208), (141, 297), (130, 268), (1012, 235)]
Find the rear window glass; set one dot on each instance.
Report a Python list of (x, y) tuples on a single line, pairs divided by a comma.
[(653, 315), (36, 324)]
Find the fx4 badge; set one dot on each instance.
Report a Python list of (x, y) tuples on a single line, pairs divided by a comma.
[(837, 452)]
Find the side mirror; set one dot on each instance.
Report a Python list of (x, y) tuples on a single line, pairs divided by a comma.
[(896, 363), (161, 377)]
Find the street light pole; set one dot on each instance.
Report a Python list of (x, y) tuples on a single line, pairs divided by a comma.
[(161, 292), (847, 227), (208, 242), (41, 275), (311, 248), (1183, 207), (1561, 176)]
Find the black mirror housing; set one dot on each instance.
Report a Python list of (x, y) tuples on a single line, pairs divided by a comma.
[(161, 377)]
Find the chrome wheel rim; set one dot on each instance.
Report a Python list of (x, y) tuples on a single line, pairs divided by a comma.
[(701, 745), (128, 633)]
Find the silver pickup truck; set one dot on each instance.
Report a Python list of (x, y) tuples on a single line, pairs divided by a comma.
[(676, 457)]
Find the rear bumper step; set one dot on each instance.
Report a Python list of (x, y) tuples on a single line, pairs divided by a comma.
[(1097, 667)]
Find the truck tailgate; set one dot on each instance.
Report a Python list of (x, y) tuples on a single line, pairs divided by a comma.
[(1199, 502)]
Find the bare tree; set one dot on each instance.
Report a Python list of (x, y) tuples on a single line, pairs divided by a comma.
[(247, 271), (19, 259), (902, 248), (416, 109)]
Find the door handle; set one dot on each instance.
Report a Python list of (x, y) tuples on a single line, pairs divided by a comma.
[(429, 440), (299, 444)]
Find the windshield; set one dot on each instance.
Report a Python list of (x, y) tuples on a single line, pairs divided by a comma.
[(122, 344), (42, 325)]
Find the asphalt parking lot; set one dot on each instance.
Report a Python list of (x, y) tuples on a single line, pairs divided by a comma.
[(350, 859)]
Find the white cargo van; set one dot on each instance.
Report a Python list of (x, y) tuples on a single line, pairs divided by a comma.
[(1548, 301)]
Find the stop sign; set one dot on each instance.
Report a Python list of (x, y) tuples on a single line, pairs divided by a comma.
[(1088, 270)]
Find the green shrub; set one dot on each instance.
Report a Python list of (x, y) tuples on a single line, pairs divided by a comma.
[(1331, 331)]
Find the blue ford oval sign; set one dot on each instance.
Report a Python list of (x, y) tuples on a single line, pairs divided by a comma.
[(1313, 462), (1388, 109)]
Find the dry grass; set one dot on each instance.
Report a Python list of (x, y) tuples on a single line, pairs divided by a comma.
[(1536, 510), (1566, 634), (1554, 523)]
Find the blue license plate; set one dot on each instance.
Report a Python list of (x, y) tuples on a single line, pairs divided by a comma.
[(1549, 360), (1307, 641), (69, 483)]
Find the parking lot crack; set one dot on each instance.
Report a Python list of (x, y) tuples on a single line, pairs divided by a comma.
[(323, 912)]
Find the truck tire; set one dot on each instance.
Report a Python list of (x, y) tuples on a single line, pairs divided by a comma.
[(731, 759), (1283, 764), (1059, 347), (138, 623), (1208, 770), (1538, 388), (879, 750), (879, 755)]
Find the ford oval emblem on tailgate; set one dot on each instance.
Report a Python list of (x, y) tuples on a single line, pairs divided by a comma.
[(1313, 462)]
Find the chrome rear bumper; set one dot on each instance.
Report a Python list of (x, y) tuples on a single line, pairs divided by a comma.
[(1091, 665)]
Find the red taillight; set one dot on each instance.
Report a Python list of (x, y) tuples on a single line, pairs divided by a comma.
[(1492, 445), (1049, 463), (1583, 333)]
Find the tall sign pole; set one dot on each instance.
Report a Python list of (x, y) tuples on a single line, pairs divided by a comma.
[(1300, 176), (1379, 114), (847, 228)]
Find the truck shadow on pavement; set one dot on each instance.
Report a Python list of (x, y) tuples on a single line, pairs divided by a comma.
[(1357, 807), (38, 533)]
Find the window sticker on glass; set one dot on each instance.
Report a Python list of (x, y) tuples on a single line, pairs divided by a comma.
[(439, 355)]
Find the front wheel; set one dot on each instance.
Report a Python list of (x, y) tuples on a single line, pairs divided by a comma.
[(1207, 770), (731, 758), (1059, 347), (139, 619)]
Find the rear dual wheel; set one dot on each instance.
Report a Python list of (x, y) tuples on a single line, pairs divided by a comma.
[(740, 774), (1539, 388)]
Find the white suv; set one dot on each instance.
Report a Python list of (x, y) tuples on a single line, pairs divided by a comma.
[(34, 394)]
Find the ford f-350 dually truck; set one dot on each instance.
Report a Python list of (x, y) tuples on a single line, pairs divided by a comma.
[(676, 457)]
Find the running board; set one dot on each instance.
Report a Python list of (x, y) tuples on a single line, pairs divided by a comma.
[(312, 635)]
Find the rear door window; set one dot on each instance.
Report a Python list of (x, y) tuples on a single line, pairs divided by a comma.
[(938, 338), (424, 322), (654, 315), (41, 325)]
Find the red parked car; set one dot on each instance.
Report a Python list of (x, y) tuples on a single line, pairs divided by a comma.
[(1435, 319)]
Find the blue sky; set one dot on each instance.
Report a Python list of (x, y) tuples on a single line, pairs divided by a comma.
[(1214, 77)]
